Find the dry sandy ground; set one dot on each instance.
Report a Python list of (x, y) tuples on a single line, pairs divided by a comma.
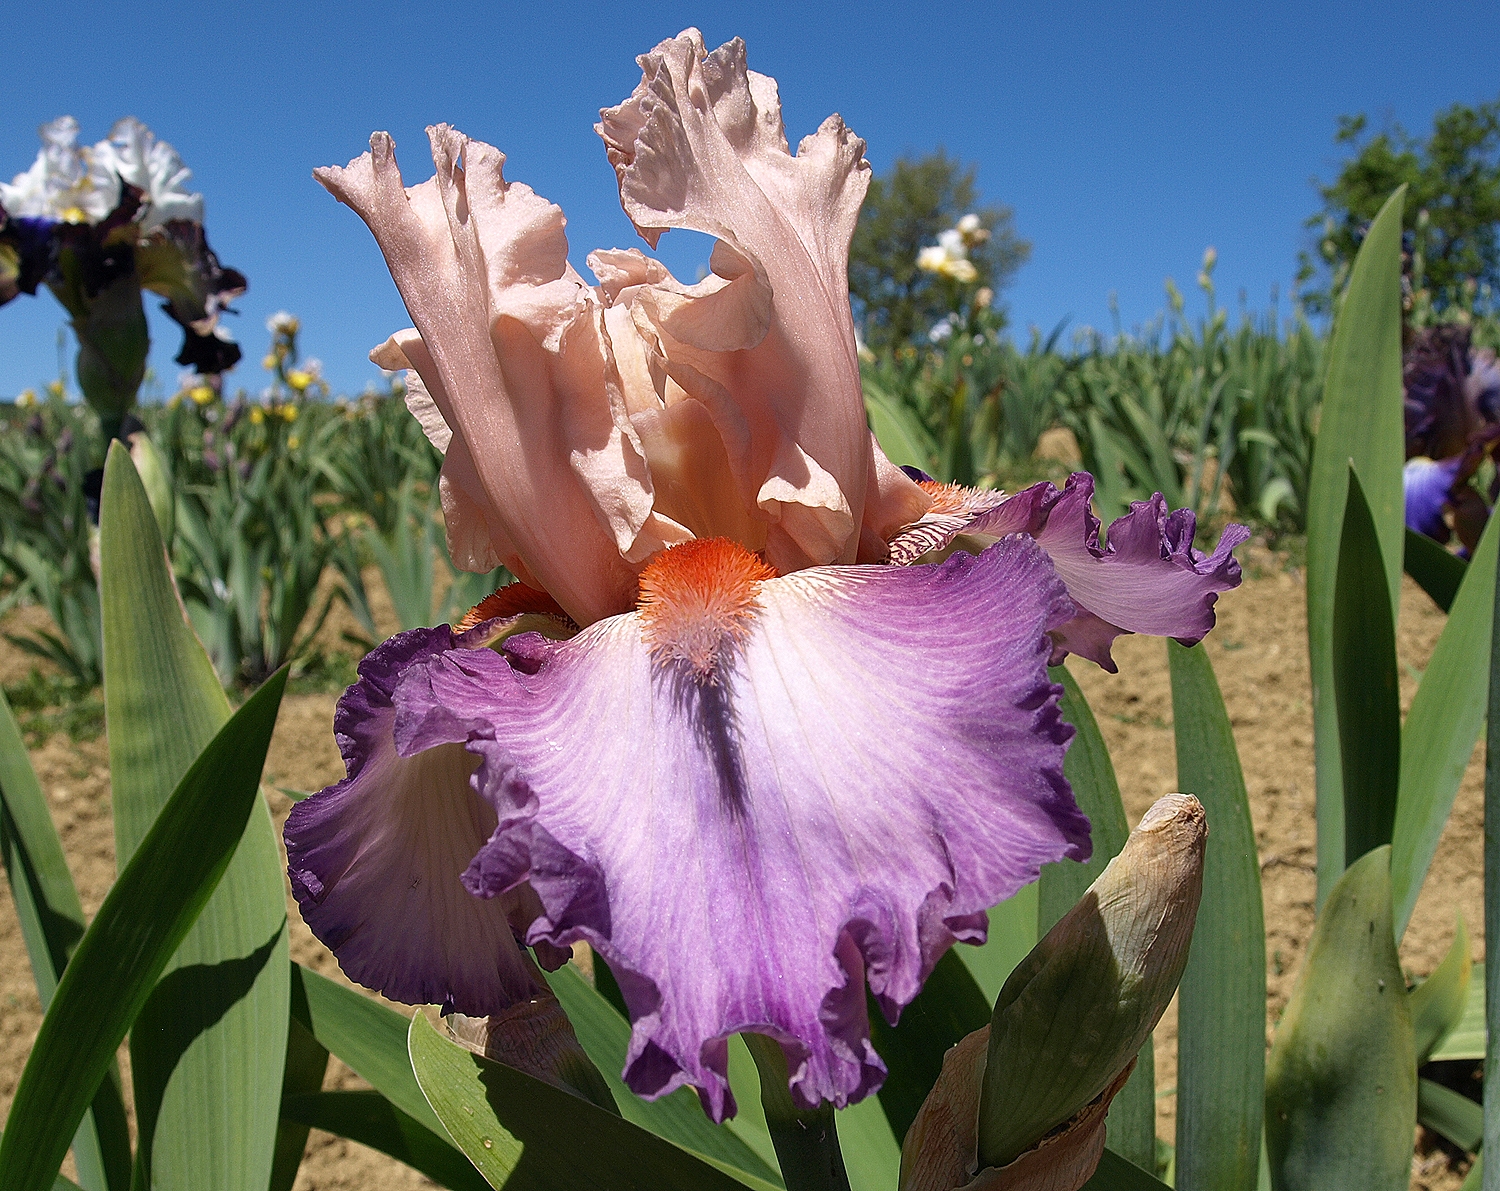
[(1258, 651)]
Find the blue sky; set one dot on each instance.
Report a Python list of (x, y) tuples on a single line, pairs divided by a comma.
[(1126, 137)]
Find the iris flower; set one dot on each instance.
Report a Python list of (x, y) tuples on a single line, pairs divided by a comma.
[(84, 218), (1452, 403), (721, 729)]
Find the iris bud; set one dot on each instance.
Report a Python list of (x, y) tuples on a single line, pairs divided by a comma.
[(1020, 1105)]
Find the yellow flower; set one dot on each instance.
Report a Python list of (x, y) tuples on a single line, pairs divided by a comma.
[(299, 379), (26, 398), (257, 415), (289, 412), (201, 394), (269, 363), (55, 388), (293, 441)]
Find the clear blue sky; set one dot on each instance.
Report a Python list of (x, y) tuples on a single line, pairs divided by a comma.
[(1126, 137)]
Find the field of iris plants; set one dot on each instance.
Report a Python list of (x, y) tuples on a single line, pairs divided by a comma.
[(722, 811)]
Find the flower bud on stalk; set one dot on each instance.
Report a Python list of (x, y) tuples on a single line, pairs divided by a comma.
[(1023, 1101)]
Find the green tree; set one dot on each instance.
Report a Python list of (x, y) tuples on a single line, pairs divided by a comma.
[(1452, 213), (904, 211)]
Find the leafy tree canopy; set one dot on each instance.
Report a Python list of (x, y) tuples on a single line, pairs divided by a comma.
[(1452, 205), (904, 212)]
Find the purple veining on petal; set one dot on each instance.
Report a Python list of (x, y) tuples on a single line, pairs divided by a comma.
[(375, 860), (895, 754), (1148, 578)]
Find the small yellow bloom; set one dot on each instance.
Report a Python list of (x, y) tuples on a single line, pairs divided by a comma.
[(289, 412), (269, 363), (26, 398), (257, 415), (299, 380), (293, 441), (201, 394), (55, 388)]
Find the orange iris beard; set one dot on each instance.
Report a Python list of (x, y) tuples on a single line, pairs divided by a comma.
[(698, 596)]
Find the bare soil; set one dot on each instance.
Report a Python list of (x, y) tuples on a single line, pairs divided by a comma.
[(1259, 653)]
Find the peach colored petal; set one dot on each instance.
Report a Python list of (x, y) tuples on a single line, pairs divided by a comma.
[(767, 342), (543, 466)]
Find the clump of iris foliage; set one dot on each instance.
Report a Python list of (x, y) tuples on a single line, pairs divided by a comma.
[(225, 532)]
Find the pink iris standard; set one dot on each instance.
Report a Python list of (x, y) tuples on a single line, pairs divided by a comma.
[(720, 730)]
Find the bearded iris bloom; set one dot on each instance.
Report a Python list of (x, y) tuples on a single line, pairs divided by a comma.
[(1452, 406), (721, 729), (98, 224)]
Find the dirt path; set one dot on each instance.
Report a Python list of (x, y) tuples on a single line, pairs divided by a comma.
[(1258, 652)]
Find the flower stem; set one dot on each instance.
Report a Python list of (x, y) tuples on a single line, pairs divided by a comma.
[(806, 1140)]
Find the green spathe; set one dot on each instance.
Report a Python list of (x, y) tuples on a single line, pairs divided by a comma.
[(1079, 1007), (1341, 1081)]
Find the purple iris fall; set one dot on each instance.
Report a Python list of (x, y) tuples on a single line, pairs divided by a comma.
[(724, 729)]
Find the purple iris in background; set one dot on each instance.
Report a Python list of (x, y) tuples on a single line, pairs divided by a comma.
[(1452, 424), (724, 729)]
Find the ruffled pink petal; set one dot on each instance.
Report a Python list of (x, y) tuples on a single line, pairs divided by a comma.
[(767, 343), (750, 809), (513, 355), (376, 860)]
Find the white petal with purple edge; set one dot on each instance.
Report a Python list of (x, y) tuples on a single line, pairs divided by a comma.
[(876, 762)]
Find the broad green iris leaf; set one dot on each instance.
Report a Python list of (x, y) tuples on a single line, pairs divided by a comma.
[(605, 1037), (1492, 888), (1360, 422), (1012, 934), (1117, 1174), (1131, 1125), (1437, 571), (1450, 1113), (370, 1119), (1466, 1040), (143, 920), (1438, 1003), (949, 1007), (60, 1183), (1341, 1081), (52, 923), (1221, 1006), (306, 1065), (207, 1062), (526, 1135), (901, 435), (1362, 645), (872, 1155), (1438, 737), (368, 1037)]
